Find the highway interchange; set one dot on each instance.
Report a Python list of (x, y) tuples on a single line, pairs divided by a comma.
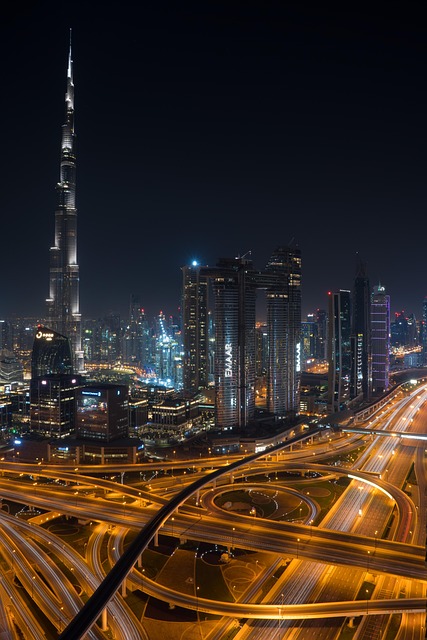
[(324, 563)]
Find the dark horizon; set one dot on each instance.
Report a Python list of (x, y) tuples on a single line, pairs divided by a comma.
[(210, 131)]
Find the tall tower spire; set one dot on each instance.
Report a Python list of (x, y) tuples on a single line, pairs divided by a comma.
[(63, 306), (70, 62)]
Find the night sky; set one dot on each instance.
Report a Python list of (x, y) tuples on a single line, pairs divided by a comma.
[(210, 129)]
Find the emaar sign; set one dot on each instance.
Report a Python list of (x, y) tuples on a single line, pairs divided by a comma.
[(228, 360)]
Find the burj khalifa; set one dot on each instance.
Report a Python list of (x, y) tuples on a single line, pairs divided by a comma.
[(63, 305)]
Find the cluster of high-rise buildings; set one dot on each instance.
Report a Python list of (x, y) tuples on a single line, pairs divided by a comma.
[(235, 283), (213, 348), (358, 343)]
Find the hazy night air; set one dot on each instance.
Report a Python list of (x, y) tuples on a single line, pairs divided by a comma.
[(207, 130)]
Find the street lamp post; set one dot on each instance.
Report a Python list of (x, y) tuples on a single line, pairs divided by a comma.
[(367, 601), (198, 617), (280, 611), (375, 543), (298, 541), (197, 603)]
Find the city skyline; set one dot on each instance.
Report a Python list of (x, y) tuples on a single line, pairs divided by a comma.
[(209, 132)]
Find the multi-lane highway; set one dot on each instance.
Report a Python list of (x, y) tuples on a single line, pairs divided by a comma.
[(376, 527)]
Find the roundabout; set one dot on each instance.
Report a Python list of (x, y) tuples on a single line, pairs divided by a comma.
[(274, 502)]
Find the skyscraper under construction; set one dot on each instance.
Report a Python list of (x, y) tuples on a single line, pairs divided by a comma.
[(63, 305)]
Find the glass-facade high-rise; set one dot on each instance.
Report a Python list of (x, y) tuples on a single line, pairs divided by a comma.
[(339, 349), (380, 339), (360, 383), (51, 354), (261, 336), (102, 412), (235, 296), (322, 331), (53, 384), (63, 304), (424, 332), (195, 328), (284, 331), (53, 404), (168, 353)]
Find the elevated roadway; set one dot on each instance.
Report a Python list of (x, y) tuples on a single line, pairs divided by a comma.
[(96, 603)]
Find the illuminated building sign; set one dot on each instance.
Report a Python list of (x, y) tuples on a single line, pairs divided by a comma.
[(91, 393), (228, 360), (44, 334), (298, 357)]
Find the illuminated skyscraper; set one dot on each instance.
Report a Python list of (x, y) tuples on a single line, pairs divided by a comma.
[(51, 354), (52, 404), (136, 343), (322, 332), (102, 412), (168, 354), (195, 328), (339, 350), (234, 286), (361, 375), (63, 302), (53, 384), (284, 330), (261, 338), (424, 332), (308, 341), (380, 339)]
